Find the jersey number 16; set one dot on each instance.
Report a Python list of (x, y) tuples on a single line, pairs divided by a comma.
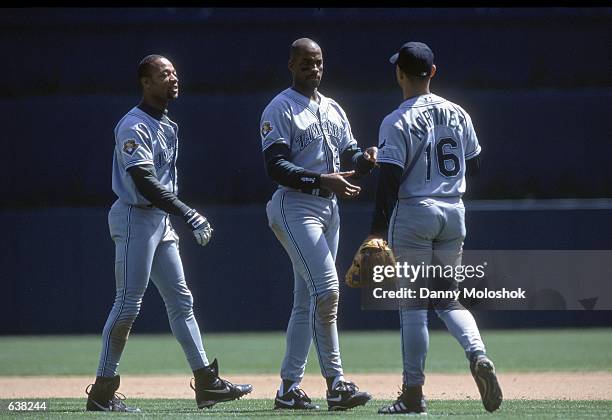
[(449, 164)]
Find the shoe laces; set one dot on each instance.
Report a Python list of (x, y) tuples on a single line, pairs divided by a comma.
[(228, 383), (115, 401), (301, 394), (400, 392), (346, 386), (479, 359), (223, 381), (401, 395)]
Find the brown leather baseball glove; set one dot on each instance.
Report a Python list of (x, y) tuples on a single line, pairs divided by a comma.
[(371, 253)]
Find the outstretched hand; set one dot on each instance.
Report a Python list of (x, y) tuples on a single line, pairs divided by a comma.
[(337, 184)]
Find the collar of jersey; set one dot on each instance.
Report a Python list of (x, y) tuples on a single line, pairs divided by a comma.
[(414, 101), (310, 104), (149, 110), (164, 121)]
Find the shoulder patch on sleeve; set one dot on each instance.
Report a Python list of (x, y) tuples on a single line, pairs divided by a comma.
[(130, 146), (383, 146), (266, 128), (387, 150)]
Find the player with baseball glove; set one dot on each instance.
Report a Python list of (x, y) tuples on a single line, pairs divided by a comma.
[(426, 148), (373, 252)]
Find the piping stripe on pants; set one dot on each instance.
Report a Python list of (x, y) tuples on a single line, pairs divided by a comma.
[(110, 332), (314, 312)]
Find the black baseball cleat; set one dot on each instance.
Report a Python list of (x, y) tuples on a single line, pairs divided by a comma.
[(295, 399), (346, 395), (410, 401), (483, 371), (103, 396), (210, 389)]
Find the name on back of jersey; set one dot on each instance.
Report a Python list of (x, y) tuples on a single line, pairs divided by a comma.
[(430, 117)]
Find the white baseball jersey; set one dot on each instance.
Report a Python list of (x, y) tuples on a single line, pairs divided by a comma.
[(317, 134), (141, 139), (430, 138)]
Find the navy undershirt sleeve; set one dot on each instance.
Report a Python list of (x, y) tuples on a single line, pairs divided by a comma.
[(284, 172), (386, 197), (150, 188), (353, 158), (472, 166)]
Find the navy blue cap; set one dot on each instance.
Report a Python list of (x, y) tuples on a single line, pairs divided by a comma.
[(414, 58)]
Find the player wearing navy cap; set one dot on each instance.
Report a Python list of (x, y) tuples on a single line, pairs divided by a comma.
[(426, 146)]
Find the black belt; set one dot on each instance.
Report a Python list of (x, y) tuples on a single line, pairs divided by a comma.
[(144, 206), (319, 192)]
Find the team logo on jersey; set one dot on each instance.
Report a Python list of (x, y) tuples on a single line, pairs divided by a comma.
[(130, 146), (266, 128)]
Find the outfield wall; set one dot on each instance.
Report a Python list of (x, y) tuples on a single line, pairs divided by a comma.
[(540, 144), (57, 273)]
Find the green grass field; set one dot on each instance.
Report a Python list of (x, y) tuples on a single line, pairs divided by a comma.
[(179, 409), (514, 351)]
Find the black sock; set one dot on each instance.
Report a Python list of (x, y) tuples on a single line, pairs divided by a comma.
[(112, 381), (412, 393), (330, 382), (286, 385), (474, 355)]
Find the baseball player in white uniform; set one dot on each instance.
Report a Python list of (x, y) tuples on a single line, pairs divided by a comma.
[(146, 245), (425, 147), (306, 136)]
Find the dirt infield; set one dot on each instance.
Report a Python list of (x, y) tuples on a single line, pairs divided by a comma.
[(541, 386)]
